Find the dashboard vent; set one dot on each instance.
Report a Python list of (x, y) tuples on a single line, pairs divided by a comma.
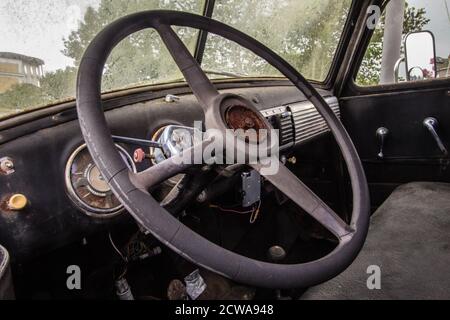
[(308, 123), (286, 127), (299, 122), (281, 119)]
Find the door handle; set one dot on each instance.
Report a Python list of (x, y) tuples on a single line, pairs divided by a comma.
[(432, 124)]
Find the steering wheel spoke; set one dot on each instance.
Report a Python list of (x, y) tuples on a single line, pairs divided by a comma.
[(291, 186), (198, 81), (169, 167)]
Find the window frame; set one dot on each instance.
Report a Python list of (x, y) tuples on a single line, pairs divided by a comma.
[(354, 87)]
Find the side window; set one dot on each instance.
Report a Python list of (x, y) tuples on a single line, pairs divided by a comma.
[(413, 46)]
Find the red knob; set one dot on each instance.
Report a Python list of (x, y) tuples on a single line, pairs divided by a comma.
[(139, 155)]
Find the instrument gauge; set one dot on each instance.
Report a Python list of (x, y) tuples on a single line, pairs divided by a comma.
[(86, 187)]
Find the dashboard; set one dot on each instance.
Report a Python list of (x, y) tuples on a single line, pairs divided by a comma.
[(67, 199)]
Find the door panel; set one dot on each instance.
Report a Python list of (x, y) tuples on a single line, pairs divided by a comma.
[(411, 153)]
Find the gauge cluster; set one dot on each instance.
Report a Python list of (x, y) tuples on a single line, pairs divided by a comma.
[(86, 187)]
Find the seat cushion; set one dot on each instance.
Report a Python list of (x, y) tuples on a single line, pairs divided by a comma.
[(409, 239)]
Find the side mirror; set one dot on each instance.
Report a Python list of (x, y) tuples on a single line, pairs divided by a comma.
[(420, 56)]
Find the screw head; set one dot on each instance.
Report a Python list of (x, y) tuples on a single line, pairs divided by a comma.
[(6, 166), (276, 253)]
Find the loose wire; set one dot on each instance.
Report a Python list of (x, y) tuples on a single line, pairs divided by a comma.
[(230, 210), (115, 248), (254, 213)]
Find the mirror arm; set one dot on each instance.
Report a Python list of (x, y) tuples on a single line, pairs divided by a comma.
[(397, 68)]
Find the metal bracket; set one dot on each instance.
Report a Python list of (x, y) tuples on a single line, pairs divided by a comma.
[(171, 98), (251, 188)]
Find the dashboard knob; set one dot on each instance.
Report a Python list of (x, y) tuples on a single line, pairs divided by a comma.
[(17, 202), (138, 155), (276, 253)]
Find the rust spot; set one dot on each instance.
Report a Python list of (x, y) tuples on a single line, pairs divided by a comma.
[(4, 205)]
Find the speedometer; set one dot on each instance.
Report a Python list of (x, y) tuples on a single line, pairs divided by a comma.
[(87, 188)]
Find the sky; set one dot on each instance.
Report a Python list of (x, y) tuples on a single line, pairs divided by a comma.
[(37, 27), (439, 24)]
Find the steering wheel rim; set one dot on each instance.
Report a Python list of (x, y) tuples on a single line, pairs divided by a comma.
[(131, 189)]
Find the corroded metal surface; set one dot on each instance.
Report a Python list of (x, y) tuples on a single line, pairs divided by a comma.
[(240, 117)]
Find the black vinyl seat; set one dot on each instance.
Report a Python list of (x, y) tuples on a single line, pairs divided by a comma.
[(409, 240)]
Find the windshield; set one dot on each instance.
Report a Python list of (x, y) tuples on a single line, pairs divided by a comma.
[(43, 42), (304, 32)]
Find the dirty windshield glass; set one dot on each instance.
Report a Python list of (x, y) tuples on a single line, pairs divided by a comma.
[(304, 32), (44, 40)]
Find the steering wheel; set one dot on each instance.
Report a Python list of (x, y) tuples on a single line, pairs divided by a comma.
[(131, 188)]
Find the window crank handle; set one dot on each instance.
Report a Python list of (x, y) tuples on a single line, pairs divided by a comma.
[(382, 134), (432, 124)]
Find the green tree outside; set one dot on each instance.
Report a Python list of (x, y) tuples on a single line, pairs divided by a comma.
[(370, 70)]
